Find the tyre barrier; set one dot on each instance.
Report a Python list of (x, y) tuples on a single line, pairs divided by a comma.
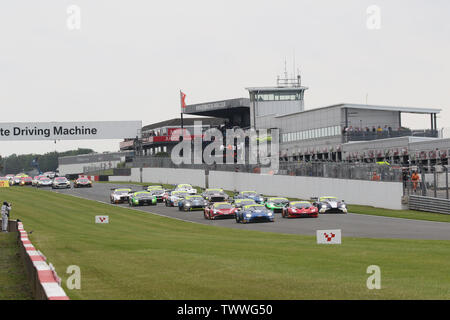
[(45, 283)]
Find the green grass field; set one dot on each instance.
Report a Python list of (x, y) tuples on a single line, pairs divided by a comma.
[(13, 281), (405, 214), (144, 256)]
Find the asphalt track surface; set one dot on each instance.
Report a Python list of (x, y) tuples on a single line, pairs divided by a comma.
[(352, 225)]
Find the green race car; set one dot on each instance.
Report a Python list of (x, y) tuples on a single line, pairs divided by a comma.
[(142, 198), (276, 204)]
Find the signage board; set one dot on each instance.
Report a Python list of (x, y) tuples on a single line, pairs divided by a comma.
[(69, 130)]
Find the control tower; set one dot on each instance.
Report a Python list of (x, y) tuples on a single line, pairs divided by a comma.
[(267, 102)]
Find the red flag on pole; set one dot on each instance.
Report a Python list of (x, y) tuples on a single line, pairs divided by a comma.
[(183, 100)]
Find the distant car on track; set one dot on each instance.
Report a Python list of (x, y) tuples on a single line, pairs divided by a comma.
[(215, 195), (82, 183), (61, 183), (193, 202), (174, 197), (240, 203), (254, 213), (50, 174), (327, 204), (155, 187), (25, 181), (158, 193), (141, 198), (119, 195), (298, 209), (219, 210), (36, 178), (186, 187), (258, 198), (44, 182), (276, 204)]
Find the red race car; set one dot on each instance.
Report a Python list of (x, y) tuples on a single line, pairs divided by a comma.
[(219, 210), (298, 209)]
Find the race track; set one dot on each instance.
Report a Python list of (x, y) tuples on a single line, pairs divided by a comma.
[(352, 225)]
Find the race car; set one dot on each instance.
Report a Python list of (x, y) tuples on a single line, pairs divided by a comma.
[(82, 183), (249, 195), (327, 204), (44, 182), (119, 195), (61, 183), (36, 178), (26, 181), (298, 209), (16, 181), (192, 202), (159, 193), (141, 198), (175, 197), (215, 195), (276, 204), (186, 187), (240, 203), (219, 210), (150, 188), (50, 174), (5, 179), (254, 213)]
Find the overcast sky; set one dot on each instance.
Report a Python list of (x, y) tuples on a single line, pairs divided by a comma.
[(129, 59)]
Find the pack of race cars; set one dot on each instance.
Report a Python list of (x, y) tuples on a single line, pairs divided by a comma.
[(244, 206), (47, 179)]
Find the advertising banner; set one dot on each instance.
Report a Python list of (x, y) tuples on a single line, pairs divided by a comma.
[(69, 130)]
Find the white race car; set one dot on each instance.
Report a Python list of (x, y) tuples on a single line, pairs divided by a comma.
[(186, 187), (174, 197)]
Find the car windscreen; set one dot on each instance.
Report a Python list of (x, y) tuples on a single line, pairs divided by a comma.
[(329, 199), (301, 205), (157, 192), (44, 180), (83, 180), (249, 193), (279, 201), (245, 203), (195, 198), (256, 207), (60, 179), (142, 195), (121, 191)]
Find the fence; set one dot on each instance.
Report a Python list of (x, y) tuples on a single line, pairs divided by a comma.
[(432, 182), (340, 170)]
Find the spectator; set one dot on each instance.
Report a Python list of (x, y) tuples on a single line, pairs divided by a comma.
[(379, 129), (373, 129), (415, 180), (6, 208)]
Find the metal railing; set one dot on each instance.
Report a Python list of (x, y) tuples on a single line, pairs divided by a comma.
[(370, 135)]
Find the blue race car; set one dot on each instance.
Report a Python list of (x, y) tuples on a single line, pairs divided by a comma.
[(249, 195), (254, 213)]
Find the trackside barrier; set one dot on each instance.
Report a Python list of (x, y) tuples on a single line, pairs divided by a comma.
[(45, 283), (430, 204)]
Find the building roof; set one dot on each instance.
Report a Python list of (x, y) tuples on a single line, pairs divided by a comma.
[(369, 107), (176, 122), (267, 89)]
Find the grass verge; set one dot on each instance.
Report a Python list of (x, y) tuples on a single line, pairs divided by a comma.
[(143, 256), (13, 280)]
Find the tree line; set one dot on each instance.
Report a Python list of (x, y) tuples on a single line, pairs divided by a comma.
[(29, 162)]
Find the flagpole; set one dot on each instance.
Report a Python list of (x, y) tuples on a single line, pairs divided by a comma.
[(181, 113)]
